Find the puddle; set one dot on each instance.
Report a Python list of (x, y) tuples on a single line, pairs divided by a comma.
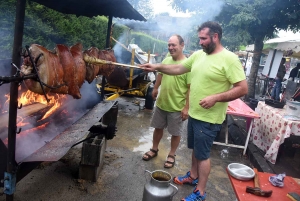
[(145, 141)]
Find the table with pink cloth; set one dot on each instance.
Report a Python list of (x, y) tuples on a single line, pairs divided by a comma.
[(271, 129), (239, 108)]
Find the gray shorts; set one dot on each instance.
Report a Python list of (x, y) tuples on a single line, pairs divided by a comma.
[(170, 120), (201, 136)]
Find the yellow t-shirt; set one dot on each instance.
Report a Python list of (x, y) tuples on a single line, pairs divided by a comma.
[(173, 89), (212, 74)]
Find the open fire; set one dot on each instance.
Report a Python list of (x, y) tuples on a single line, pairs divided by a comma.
[(40, 108), (55, 101), (41, 121)]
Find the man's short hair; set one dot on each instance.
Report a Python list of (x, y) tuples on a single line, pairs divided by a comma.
[(180, 39), (298, 65), (214, 27), (283, 60)]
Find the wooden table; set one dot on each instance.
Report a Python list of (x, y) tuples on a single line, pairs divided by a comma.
[(279, 194)]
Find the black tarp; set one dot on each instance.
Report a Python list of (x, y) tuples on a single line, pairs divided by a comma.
[(90, 8)]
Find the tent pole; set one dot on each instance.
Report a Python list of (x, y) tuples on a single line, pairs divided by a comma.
[(107, 46)]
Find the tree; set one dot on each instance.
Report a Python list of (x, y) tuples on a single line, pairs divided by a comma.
[(249, 21), (256, 20), (144, 7)]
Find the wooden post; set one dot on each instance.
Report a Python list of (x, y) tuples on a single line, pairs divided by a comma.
[(131, 69)]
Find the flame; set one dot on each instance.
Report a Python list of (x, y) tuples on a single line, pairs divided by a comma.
[(24, 133), (55, 100), (20, 122), (28, 97)]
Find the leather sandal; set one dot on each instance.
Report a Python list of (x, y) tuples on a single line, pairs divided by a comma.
[(169, 162), (150, 156)]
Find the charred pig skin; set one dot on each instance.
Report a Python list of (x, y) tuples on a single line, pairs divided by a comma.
[(49, 69), (69, 65), (80, 69)]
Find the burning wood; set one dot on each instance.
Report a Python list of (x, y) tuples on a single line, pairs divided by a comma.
[(37, 110), (64, 70)]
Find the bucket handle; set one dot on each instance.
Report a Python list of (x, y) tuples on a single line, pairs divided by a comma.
[(174, 188), (148, 172)]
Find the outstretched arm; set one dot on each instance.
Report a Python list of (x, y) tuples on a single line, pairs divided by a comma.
[(172, 69)]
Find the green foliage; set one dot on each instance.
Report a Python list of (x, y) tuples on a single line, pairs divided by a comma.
[(249, 21), (48, 27), (253, 21), (242, 47), (7, 14), (146, 42)]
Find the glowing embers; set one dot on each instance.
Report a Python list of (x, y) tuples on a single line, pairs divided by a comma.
[(56, 101)]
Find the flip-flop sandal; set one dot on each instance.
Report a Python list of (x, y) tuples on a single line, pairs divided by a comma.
[(169, 162), (149, 156)]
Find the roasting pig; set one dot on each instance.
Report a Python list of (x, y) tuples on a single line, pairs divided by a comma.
[(64, 70)]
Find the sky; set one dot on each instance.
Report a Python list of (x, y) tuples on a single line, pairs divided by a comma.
[(288, 34), (162, 6)]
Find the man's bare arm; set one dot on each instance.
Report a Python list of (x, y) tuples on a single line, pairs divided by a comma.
[(156, 85), (184, 112), (239, 89), (169, 69)]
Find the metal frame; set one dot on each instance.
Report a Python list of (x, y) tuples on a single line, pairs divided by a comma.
[(12, 167), (234, 145)]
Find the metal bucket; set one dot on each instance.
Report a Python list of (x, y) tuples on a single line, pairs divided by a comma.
[(159, 188)]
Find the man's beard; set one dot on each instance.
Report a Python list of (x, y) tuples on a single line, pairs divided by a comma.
[(209, 48)]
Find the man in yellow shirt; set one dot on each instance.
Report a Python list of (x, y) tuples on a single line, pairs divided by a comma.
[(172, 103), (217, 77)]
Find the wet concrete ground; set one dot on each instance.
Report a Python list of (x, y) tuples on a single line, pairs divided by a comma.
[(123, 175)]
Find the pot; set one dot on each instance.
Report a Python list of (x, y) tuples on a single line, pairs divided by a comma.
[(159, 188)]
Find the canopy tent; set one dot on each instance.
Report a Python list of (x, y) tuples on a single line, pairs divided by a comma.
[(289, 46), (90, 8)]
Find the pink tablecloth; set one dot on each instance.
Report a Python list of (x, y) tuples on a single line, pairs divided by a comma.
[(270, 131)]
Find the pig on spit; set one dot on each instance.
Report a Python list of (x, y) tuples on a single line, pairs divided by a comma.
[(64, 70)]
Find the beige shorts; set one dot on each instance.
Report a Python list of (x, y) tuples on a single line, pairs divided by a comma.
[(170, 120)]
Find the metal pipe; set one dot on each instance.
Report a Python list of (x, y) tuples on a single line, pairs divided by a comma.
[(13, 103), (107, 46)]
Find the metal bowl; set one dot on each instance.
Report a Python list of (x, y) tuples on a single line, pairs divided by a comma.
[(240, 171)]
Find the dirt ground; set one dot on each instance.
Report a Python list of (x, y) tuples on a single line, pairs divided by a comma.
[(123, 175)]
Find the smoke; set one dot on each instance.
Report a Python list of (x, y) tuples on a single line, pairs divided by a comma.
[(200, 11), (164, 25), (5, 68), (119, 50), (29, 141)]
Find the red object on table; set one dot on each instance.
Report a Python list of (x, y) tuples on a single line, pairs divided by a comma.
[(239, 108), (279, 194)]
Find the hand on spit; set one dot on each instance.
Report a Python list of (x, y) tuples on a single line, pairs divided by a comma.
[(149, 67)]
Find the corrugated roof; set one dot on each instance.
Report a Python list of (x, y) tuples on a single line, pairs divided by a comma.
[(90, 8)]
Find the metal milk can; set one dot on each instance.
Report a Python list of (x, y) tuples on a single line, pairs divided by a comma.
[(159, 188)]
